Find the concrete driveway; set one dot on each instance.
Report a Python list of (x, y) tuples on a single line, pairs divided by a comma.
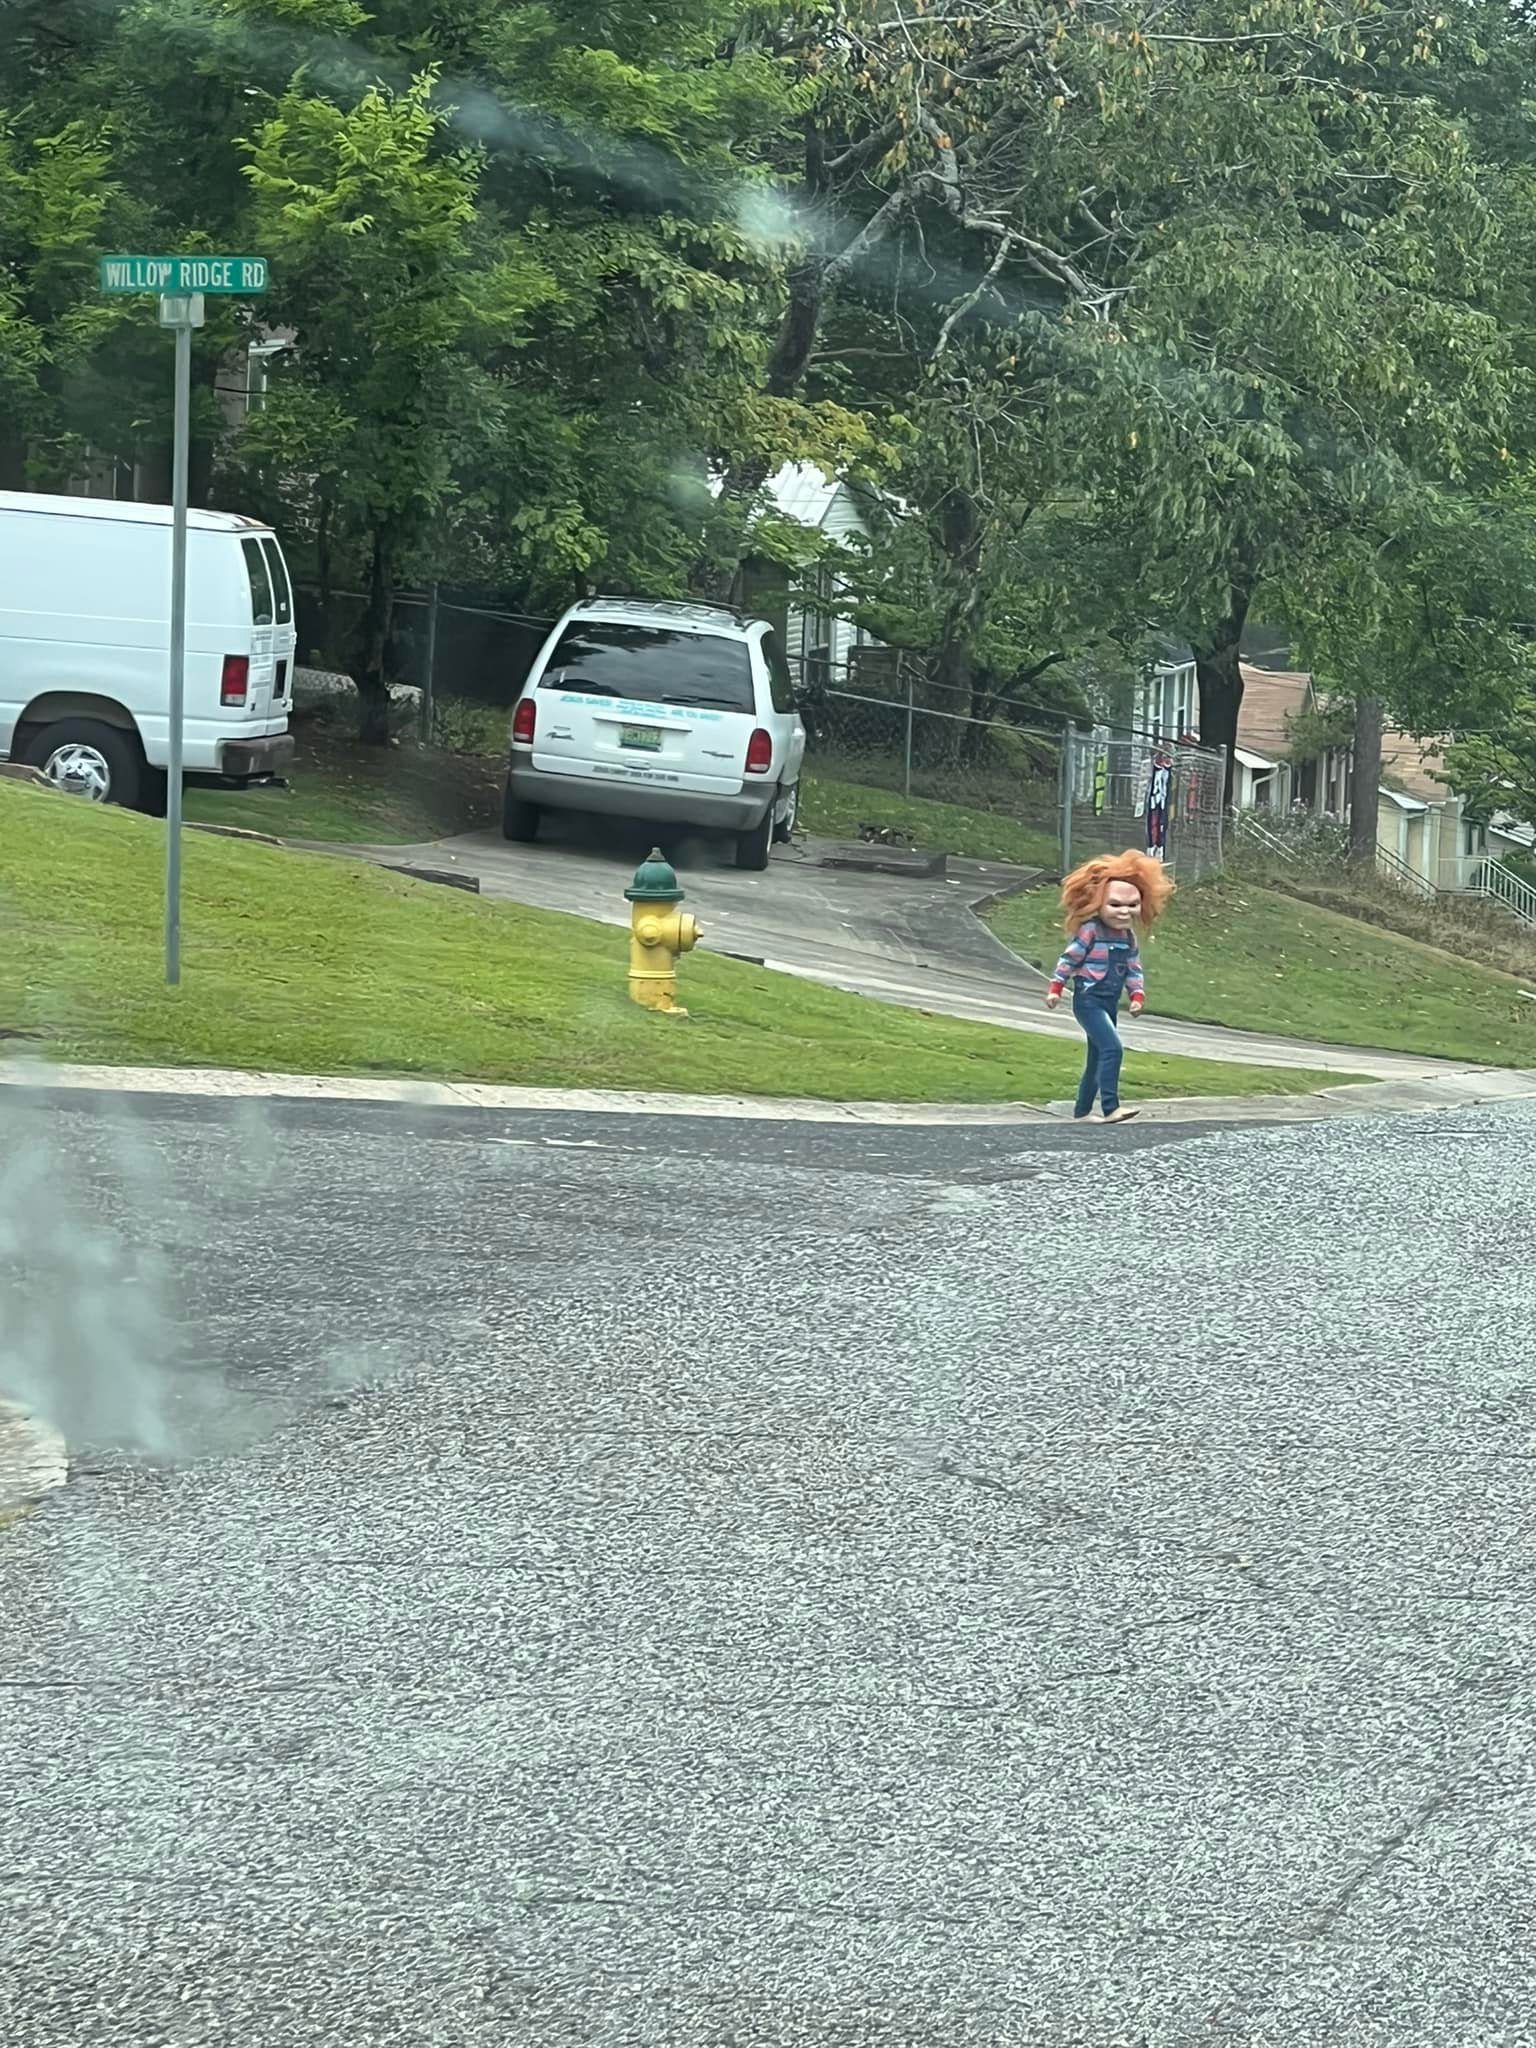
[(899, 940)]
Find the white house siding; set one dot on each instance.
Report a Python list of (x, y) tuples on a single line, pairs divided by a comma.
[(816, 635), (1166, 703)]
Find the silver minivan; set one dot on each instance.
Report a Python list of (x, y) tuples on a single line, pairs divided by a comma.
[(678, 714)]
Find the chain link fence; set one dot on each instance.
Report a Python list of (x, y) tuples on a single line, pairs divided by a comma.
[(889, 766), (891, 753), (1135, 789), (1054, 794)]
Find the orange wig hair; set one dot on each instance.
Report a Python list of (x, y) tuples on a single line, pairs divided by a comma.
[(1082, 893)]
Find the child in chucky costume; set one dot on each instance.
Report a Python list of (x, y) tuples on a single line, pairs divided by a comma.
[(1102, 901)]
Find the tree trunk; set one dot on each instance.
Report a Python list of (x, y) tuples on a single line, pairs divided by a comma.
[(152, 480), (13, 458), (1365, 780), (960, 533), (1219, 675), (813, 285), (369, 668), (206, 428)]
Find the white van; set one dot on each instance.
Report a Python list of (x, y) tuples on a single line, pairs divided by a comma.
[(85, 605), (681, 714)]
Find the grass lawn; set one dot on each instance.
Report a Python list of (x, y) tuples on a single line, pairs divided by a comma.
[(365, 796), (310, 964), (1233, 953), (835, 810), (381, 796)]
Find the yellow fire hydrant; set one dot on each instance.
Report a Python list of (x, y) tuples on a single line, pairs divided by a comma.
[(658, 932)]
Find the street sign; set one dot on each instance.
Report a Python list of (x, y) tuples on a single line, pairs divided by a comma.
[(180, 282), (180, 276)]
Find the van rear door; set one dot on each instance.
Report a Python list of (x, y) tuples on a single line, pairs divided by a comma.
[(263, 669), (286, 633), (644, 703)]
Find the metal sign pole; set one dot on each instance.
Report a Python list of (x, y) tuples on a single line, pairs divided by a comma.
[(179, 283), (182, 314)]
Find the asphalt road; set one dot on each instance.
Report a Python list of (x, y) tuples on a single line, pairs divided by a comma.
[(600, 1582)]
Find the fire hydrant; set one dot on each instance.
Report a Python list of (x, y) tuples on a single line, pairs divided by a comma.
[(658, 932)]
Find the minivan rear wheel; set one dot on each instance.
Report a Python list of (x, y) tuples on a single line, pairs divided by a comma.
[(784, 828), (86, 758), (519, 821), (754, 847)]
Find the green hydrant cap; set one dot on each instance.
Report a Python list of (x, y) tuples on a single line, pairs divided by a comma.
[(655, 881)]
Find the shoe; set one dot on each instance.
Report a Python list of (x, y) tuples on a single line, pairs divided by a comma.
[(1120, 1116)]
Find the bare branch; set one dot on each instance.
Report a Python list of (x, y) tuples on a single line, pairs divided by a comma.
[(961, 307), (873, 232)]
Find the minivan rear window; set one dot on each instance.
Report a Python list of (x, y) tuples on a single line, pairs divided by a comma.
[(282, 589), (652, 665), (259, 580)]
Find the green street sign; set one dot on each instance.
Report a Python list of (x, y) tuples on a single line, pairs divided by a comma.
[(180, 276)]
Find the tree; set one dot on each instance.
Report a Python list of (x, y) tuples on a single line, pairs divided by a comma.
[(1307, 327), (368, 224), (58, 198), (1496, 771)]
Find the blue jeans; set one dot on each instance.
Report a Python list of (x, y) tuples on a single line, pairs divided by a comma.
[(1094, 1005)]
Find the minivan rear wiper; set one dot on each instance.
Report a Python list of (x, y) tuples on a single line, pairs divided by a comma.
[(702, 703), (565, 682)]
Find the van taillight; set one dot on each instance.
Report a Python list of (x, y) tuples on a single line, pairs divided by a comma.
[(236, 679), (522, 722), (759, 753)]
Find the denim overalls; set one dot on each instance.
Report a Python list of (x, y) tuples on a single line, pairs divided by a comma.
[(1094, 1005)]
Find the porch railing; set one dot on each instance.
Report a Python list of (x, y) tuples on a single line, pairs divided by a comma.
[(1398, 872), (1490, 879)]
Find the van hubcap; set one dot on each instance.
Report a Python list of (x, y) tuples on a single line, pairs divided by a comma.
[(80, 770)]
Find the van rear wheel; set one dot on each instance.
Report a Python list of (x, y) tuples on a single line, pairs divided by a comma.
[(754, 847), (88, 759), (519, 821)]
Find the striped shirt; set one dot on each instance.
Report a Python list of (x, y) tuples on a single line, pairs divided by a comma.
[(1088, 955)]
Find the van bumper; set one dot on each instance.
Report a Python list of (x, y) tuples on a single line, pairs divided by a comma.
[(251, 760), (741, 812)]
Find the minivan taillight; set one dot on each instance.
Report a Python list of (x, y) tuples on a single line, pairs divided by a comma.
[(523, 722), (235, 681), (759, 752)]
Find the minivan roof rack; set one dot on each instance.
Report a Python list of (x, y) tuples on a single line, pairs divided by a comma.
[(673, 607)]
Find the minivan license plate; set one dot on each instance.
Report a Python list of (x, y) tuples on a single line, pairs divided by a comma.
[(645, 739)]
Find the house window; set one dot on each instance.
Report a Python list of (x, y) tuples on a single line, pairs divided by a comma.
[(1474, 840), (1184, 704), (1165, 702)]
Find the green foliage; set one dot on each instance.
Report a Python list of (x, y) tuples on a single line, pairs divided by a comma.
[(1496, 771), (1131, 322)]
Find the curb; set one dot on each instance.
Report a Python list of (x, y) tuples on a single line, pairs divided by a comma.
[(1373, 1098), (34, 1459)]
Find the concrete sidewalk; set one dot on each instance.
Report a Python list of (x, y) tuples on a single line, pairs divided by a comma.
[(1446, 1090)]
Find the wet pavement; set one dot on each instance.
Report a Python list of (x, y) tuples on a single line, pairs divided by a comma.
[(594, 1580)]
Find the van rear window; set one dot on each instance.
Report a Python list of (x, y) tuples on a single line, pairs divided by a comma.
[(282, 589), (653, 665), (259, 580)]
